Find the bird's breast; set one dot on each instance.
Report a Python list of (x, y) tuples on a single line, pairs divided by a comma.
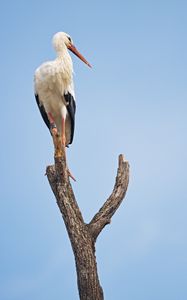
[(55, 76)]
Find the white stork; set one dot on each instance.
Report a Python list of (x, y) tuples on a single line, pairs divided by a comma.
[(54, 91)]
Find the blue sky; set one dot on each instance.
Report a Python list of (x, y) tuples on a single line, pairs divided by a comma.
[(133, 101)]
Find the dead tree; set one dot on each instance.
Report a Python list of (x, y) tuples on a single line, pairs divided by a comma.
[(83, 236)]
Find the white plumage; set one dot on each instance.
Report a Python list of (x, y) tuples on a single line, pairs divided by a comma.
[(53, 80), (54, 88)]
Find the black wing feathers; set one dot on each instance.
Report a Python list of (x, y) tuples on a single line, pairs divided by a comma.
[(43, 112), (71, 108)]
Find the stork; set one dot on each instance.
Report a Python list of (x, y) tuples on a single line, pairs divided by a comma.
[(54, 93)]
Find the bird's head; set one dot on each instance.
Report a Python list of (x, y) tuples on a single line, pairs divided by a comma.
[(63, 40)]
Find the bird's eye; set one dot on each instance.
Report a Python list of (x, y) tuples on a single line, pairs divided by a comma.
[(69, 39)]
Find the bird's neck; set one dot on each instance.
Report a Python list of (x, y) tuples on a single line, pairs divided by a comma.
[(65, 62)]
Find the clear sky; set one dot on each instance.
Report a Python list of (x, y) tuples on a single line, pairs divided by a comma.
[(133, 101)]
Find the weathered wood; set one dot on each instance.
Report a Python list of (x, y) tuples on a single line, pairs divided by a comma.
[(83, 236), (103, 217)]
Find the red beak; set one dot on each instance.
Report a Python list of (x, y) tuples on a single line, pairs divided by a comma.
[(77, 53)]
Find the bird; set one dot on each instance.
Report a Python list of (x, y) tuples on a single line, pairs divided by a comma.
[(55, 95)]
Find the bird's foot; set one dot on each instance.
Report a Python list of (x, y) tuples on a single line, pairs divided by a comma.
[(70, 175), (58, 153)]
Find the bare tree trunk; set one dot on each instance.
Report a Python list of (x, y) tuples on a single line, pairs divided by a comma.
[(83, 236)]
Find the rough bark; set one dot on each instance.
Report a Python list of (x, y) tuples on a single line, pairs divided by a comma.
[(83, 236)]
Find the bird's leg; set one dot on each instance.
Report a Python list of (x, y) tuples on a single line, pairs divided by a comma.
[(64, 146), (53, 128), (56, 137), (63, 133), (58, 145)]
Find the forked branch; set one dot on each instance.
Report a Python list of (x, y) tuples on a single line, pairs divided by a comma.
[(83, 236)]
